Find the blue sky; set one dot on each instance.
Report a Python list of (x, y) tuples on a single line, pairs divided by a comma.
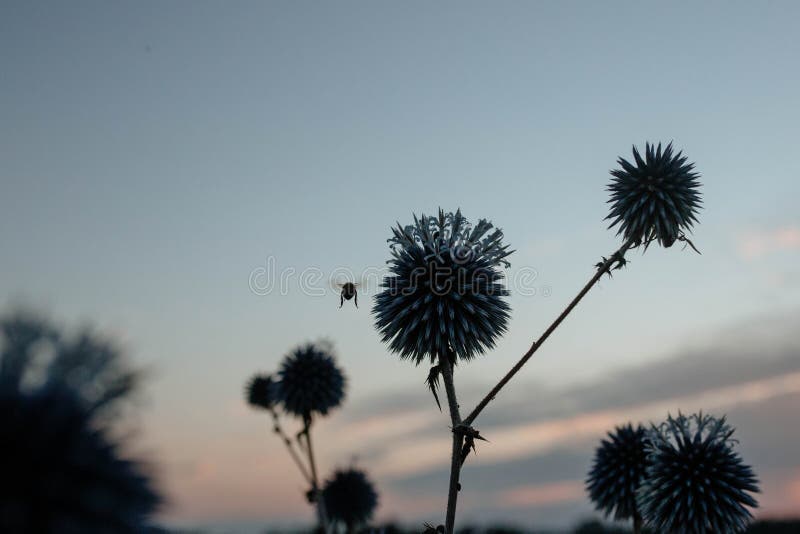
[(153, 154)]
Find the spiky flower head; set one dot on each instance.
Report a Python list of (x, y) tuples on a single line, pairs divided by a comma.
[(695, 482), (654, 198), (617, 471), (350, 498), (260, 392), (61, 473), (310, 382), (445, 290)]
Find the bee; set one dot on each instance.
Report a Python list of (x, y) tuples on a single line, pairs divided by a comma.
[(349, 291)]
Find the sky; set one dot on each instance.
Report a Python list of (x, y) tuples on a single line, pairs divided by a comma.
[(161, 161)]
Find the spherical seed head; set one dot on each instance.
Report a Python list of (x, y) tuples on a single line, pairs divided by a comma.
[(350, 497), (617, 472), (310, 382), (654, 198), (444, 291), (61, 473), (260, 392), (695, 482)]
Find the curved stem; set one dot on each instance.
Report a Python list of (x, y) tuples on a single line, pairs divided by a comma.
[(455, 461), (288, 442), (538, 343)]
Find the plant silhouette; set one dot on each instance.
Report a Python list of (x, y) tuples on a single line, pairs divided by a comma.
[(619, 466), (307, 386), (62, 470), (695, 482), (350, 498), (444, 298)]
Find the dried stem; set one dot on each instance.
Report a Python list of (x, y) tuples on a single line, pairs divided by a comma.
[(323, 517), (289, 445), (455, 463), (603, 269)]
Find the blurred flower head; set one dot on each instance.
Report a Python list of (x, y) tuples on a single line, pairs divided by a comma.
[(445, 290), (61, 474), (654, 198), (350, 498), (34, 352), (310, 382), (617, 471), (695, 482), (260, 392)]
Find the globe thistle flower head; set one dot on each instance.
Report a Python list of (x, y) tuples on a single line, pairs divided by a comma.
[(617, 471), (260, 392), (655, 197), (310, 382), (350, 498), (444, 293), (61, 473), (695, 482)]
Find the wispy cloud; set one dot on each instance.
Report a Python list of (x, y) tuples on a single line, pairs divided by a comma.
[(754, 245), (541, 494), (541, 440), (541, 445), (416, 454)]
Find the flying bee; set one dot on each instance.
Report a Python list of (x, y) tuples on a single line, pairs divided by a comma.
[(349, 286), (349, 291)]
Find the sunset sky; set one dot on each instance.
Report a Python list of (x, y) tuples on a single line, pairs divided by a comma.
[(160, 161)]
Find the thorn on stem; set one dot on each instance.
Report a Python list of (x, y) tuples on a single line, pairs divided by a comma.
[(615, 263), (603, 266), (433, 383), (686, 241), (470, 435)]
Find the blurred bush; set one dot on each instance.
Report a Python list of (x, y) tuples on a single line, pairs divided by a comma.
[(62, 471)]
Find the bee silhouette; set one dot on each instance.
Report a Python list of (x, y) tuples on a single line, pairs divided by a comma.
[(349, 291)]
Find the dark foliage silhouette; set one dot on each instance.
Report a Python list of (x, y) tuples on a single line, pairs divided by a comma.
[(34, 352), (60, 474), (261, 392), (350, 498), (62, 471), (309, 385)]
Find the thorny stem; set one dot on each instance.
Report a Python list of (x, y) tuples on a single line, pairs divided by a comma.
[(538, 343), (323, 517), (289, 446), (455, 463)]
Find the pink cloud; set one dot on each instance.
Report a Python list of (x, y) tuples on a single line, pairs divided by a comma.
[(780, 493), (754, 245), (253, 477), (542, 494), (419, 454)]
